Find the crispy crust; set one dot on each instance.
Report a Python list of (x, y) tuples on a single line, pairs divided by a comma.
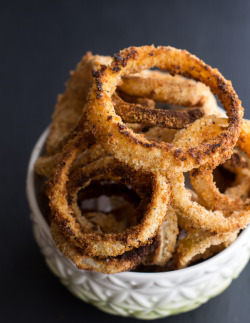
[(82, 147), (67, 217), (235, 199), (69, 105), (174, 119), (170, 89), (197, 243), (151, 156), (201, 218), (68, 110), (164, 241), (223, 212), (107, 265)]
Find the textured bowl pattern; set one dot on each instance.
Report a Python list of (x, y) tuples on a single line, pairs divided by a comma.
[(141, 295)]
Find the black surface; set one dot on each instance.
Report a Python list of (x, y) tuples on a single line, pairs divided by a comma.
[(40, 42)]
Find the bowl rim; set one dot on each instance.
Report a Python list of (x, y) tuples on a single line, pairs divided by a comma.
[(31, 196)]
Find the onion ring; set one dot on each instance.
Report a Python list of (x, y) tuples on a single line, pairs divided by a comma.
[(135, 113), (99, 147), (210, 196), (69, 105), (200, 217), (205, 244), (123, 143), (61, 125), (196, 243), (68, 111), (108, 244), (233, 202), (164, 241), (223, 214), (147, 103), (170, 89), (106, 265)]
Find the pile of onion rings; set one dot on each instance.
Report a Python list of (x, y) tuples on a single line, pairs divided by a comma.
[(123, 141)]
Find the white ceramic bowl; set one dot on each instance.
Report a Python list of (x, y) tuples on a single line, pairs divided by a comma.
[(141, 295)]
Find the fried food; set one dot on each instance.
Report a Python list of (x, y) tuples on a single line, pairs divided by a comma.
[(133, 149), (108, 265), (199, 244), (69, 105), (135, 113), (121, 141), (78, 229), (164, 241), (134, 109), (234, 199), (68, 110), (202, 218), (170, 89), (217, 212)]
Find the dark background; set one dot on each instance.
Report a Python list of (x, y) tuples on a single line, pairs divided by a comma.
[(40, 42)]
